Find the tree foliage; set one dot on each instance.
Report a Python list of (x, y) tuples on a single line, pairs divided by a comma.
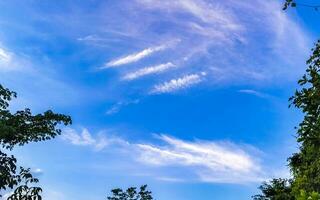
[(131, 194), (289, 3), (20, 128), (293, 3), (305, 164), (276, 189)]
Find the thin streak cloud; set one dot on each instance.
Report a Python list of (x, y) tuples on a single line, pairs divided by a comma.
[(254, 92), (211, 161), (134, 57), (118, 106), (4, 56), (148, 70), (177, 84), (84, 139), (205, 161), (200, 9)]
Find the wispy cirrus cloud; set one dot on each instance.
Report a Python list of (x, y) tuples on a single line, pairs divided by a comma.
[(223, 34), (177, 84), (85, 138), (148, 70), (4, 56), (116, 107), (212, 35), (9, 61), (134, 57), (222, 162), (254, 92), (205, 161), (202, 10), (37, 171), (16, 71)]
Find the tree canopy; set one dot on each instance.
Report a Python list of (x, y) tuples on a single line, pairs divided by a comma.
[(20, 128), (131, 194), (277, 189), (304, 164), (292, 3)]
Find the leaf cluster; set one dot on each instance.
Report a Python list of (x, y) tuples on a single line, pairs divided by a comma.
[(289, 3), (20, 128), (305, 164), (131, 194), (276, 189)]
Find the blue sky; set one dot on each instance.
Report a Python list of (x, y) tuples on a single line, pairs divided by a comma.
[(189, 97)]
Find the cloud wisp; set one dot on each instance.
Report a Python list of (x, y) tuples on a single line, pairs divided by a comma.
[(4, 56), (207, 161), (8, 61), (211, 34), (254, 92), (134, 57), (212, 161), (85, 138), (178, 84), (117, 107), (148, 71), (200, 9)]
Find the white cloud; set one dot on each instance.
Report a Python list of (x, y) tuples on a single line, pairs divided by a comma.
[(211, 161), (219, 34), (203, 10), (170, 179), (205, 161), (7, 61), (82, 139), (37, 171), (16, 71), (177, 84), (85, 138), (116, 107), (134, 57), (223, 34), (254, 92), (148, 70), (91, 38), (4, 56)]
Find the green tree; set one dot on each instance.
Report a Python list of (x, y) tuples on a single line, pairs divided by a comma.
[(131, 194), (292, 3), (276, 189), (289, 3), (17, 129), (305, 164)]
